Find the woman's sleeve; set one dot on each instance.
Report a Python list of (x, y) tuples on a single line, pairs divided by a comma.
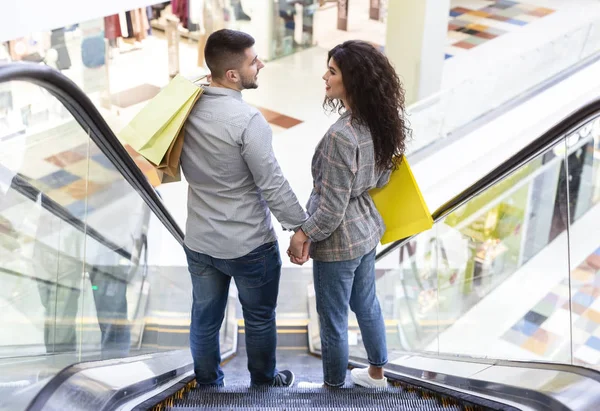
[(384, 178), (338, 174)]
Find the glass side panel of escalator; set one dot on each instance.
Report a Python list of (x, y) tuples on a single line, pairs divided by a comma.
[(73, 247), (512, 274)]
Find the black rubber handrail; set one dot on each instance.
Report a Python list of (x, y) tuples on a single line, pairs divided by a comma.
[(88, 117), (532, 150)]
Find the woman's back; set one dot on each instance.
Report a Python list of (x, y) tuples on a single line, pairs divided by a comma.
[(344, 170), (355, 156)]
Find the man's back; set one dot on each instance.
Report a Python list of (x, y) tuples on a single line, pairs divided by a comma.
[(228, 162), (234, 182)]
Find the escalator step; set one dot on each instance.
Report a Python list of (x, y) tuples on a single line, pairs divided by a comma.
[(355, 398)]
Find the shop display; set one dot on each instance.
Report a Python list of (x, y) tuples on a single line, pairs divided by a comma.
[(112, 29), (139, 24), (58, 43), (291, 29), (30, 48), (128, 28), (374, 9), (92, 51), (88, 52), (342, 22)]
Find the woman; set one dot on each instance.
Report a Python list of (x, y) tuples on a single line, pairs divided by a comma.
[(357, 154)]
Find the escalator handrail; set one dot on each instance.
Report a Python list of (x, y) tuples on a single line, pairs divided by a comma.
[(529, 152), (90, 119)]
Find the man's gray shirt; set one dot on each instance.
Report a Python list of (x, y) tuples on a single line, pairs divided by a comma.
[(234, 178)]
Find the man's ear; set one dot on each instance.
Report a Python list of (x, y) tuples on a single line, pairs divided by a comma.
[(232, 76)]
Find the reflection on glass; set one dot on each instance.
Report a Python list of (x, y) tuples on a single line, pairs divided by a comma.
[(492, 279), (112, 271), (59, 255), (487, 279), (511, 251), (73, 248), (74, 257), (583, 165)]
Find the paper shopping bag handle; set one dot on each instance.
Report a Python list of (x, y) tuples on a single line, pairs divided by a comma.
[(206, 76)]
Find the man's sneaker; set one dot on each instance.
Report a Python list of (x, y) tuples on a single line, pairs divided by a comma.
[(360, 376), (284, 378)]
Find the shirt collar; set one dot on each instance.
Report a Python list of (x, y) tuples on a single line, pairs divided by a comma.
[(345, 114), (221, 91)]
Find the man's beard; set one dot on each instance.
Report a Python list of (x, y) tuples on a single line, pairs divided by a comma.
[(249, 83)]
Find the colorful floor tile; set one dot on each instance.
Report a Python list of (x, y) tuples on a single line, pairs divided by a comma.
[(278, 119), (478, 26), (545, 330)]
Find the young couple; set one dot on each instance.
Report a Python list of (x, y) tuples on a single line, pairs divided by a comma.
[(235, 183)]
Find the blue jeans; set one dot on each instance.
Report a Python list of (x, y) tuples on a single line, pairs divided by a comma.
[(256, 276), (337, 285)]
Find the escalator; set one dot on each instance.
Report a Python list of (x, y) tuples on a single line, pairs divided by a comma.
[(305, 393), (89, 293)]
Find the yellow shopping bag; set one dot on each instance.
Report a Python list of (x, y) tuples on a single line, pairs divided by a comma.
[(154, 129), (401, 205)]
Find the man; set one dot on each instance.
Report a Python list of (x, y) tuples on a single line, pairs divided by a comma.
[(234, 179)]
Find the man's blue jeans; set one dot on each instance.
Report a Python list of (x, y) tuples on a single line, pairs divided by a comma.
[(256, 276), (337, 285)]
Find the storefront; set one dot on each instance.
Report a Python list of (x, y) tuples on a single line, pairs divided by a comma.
[(154, 43), (281, 27)]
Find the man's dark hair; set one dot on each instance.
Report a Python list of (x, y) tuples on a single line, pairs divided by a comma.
[(225, 49)]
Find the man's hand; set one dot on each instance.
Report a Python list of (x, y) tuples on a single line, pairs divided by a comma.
[(299, 248), (305, 255)]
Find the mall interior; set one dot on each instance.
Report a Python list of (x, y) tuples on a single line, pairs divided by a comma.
[(496, 307)]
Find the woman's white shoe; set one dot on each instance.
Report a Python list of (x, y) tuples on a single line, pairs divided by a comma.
[(360, 376)]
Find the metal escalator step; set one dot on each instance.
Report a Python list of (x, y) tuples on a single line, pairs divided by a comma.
[(355, 398)]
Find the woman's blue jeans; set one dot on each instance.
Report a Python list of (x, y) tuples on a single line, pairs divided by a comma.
[(340, 284)]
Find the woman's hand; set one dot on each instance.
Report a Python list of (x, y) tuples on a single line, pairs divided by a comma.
[(299, 248)]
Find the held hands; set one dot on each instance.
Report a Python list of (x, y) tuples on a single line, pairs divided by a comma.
[(299, 248)]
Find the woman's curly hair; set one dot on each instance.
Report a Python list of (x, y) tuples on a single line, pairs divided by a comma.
[(376, 96)]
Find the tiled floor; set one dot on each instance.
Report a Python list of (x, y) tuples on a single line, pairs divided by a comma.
[(470, 23), (545, 329), (278, 119), (469, 27)]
